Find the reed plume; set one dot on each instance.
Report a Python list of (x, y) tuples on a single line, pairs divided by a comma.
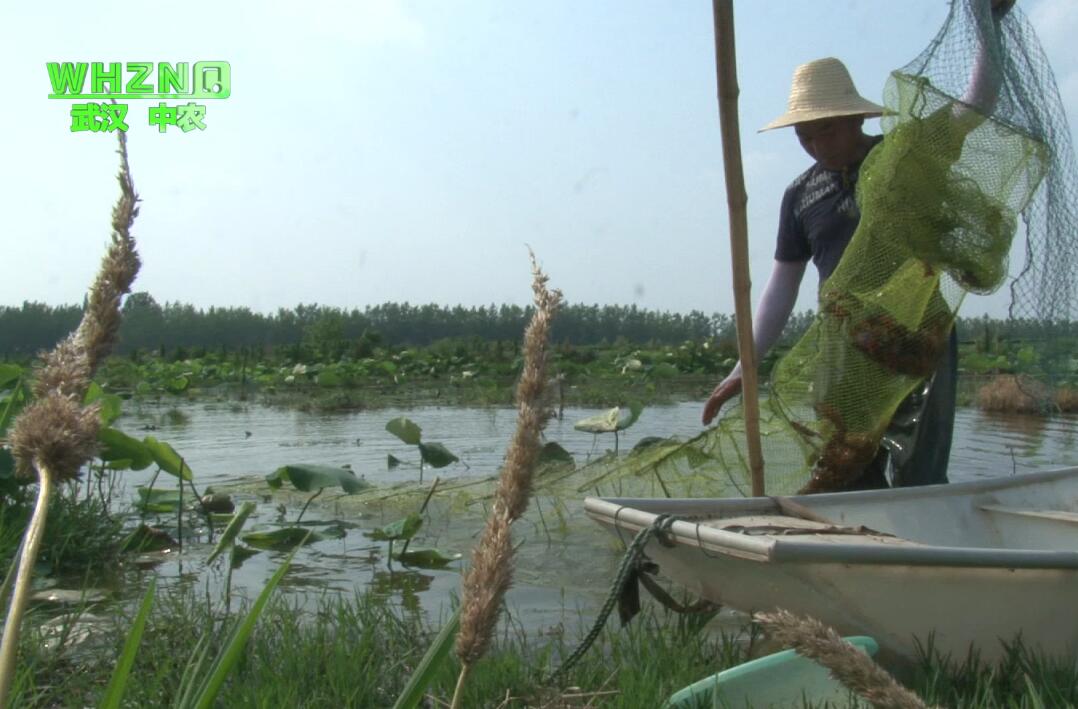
[(56, 434), (1013, 393), (853, 668), (491, 572)]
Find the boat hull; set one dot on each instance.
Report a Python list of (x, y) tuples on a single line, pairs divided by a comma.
[(903, 593)]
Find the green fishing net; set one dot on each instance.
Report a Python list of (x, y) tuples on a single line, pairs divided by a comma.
[(963, 171), (957, 187)]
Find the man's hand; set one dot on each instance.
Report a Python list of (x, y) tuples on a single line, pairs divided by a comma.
[(726, 390)]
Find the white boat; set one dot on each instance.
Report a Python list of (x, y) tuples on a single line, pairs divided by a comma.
[(967, 564)]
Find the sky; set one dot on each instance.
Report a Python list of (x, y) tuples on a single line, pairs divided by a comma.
[(384, 150)]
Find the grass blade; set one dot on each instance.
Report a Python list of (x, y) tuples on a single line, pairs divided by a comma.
[(430, 664), (192, 670), (1034, 695), (234, 650), (118, 683), (15, 403), (228, 537), (9, 578)]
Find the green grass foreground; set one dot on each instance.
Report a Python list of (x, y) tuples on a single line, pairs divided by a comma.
[(359, 652)]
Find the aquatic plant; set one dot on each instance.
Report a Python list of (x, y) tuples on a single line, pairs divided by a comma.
[(55, 434), (400, 530), (405, 529), (613, 421), (306, 477), (435, 455)]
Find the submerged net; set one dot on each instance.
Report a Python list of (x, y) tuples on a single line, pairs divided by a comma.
[(976, 156)]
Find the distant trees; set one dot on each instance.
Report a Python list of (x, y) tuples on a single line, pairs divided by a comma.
[(330, 332), (27, 330)]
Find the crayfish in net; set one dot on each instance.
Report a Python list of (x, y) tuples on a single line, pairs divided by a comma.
[(843, 457), (915, 353)]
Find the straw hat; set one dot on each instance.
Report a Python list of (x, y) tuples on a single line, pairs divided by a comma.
[(823, 89)]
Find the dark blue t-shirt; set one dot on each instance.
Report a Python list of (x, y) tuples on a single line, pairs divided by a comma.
[(819, 215)]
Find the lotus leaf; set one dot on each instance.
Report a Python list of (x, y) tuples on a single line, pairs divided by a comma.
[(110, 403), (308, 478), (552, 452), (148, 495), (167, 458), (405, 429), (427, 558), (288, 537), (178, 385), (117, 447), (436, 455), (616, 419), (663, 370), (402, 529), (330, 378)]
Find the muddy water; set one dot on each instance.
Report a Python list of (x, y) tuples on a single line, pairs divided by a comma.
[(559, 581)]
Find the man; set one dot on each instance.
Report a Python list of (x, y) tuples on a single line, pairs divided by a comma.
[(819, 215)]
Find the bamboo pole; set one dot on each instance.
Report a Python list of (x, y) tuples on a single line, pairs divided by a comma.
[(736, 199)]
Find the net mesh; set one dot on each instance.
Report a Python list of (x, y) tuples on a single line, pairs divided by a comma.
[(961, 175), (976, 153)]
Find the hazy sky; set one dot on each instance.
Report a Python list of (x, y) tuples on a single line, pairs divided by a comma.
[(381, 150)]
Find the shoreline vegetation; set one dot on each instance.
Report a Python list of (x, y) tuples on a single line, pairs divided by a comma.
[(639, 665), (485, 374), (636, 666), (322, 358), (362, 650), (358, 652)]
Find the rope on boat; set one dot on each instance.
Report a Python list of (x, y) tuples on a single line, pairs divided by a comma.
[(629, 572)]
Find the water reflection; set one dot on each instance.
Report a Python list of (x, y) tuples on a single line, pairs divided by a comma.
[(993, 444), (408, 584), (566, 562)]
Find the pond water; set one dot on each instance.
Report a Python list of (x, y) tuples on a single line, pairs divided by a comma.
[(559, 579)]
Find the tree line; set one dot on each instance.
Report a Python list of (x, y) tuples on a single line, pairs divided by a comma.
[(148, 325)]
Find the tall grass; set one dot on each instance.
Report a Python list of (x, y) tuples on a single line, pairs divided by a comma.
[(80, 538), (491, 572), (358, 652), (56, 434), (1023, 678)]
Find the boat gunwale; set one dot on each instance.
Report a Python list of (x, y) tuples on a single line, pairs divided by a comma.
[(623, 513)]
